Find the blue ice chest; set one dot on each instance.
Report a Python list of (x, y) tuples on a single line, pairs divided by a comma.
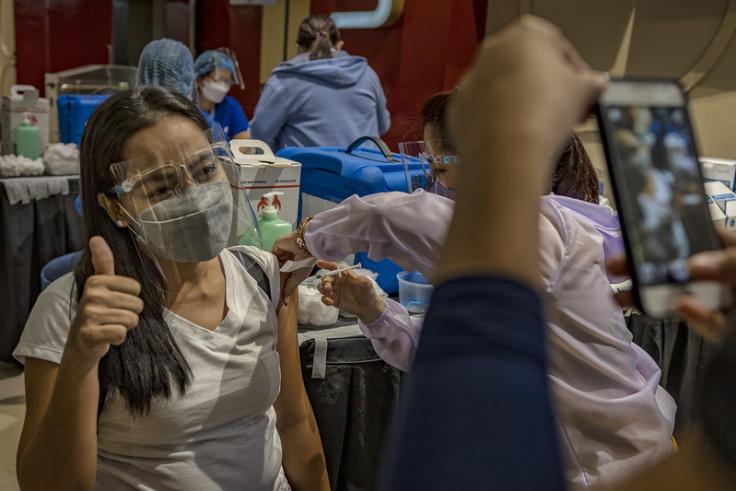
[(332, 174), (74, 111)]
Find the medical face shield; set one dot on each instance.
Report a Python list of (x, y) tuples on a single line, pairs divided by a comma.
[(424, 166), (220, 59), (184, 204)]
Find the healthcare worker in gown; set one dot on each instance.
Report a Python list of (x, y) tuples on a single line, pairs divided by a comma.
[(613, 415)]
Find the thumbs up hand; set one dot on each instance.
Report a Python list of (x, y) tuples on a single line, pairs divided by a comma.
[(108, 309)]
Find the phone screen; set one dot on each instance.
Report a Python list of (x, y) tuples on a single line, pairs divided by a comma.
[(658, 181)]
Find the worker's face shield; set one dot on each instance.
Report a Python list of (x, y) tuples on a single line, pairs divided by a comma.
[(428, 166), (222, 76), (236, 77), (183, 201)]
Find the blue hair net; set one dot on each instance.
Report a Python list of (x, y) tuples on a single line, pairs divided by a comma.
[(210, 60), (167, 63)]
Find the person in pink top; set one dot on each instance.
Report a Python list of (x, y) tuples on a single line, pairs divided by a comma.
[(613, 415)]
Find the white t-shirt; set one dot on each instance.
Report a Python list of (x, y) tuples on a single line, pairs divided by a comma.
[(221, 433)]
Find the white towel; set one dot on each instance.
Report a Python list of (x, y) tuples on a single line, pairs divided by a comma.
[(25, 189), (17, 165)]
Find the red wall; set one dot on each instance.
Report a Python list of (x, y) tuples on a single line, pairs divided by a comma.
[(55, 35), (425, 51), (238, 27)]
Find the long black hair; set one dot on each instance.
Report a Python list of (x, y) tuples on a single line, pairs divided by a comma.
[(318, 34), (148, 362)]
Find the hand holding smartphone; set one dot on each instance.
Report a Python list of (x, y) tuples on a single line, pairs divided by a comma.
[(657, 183)]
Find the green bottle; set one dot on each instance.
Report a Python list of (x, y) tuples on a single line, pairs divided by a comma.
[(271, 226), (251, 237), (27, 138)]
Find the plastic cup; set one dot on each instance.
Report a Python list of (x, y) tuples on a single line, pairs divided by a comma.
[(414, 291)]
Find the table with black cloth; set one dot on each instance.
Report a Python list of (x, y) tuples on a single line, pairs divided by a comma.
[(681, 353), (37, 223), (354, 395)]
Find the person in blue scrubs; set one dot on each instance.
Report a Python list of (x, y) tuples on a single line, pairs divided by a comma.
[(217, 71)]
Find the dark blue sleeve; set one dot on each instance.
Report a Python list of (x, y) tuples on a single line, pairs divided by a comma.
[(475, 412), (238, 121)]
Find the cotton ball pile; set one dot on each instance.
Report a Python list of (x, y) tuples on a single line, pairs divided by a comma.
[(311, 309), (61, 159), (17, 165)]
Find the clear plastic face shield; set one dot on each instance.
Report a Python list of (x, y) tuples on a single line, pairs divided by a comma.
[(428, 166), (221, 72), (183, 202), (228, 74)]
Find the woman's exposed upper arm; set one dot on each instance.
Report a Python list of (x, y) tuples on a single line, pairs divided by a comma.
[(292, 404), (40, 377)]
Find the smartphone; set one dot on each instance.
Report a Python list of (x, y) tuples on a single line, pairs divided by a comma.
[(658, 187)]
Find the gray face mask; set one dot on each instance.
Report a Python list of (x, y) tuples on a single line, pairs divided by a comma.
[(191, 227)]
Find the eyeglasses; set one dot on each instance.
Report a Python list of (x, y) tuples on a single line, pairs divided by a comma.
[(429, 160), (170, 178), (432, 173), (439, 159)]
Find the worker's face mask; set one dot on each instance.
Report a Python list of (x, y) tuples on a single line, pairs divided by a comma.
[(441, 189), (188, 207), (436, 165), (215, 91)]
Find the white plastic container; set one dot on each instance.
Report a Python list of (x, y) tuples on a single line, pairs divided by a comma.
[(414, 291), (262, 172), (23, 100)]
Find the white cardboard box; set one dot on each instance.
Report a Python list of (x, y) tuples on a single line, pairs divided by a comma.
[(262, 172), (719, 218), (730, 213), (722, 204), (720, 194), (719, 170)]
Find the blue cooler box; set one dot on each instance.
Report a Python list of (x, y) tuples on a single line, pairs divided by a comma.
[(332, 174), (74, 111)]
